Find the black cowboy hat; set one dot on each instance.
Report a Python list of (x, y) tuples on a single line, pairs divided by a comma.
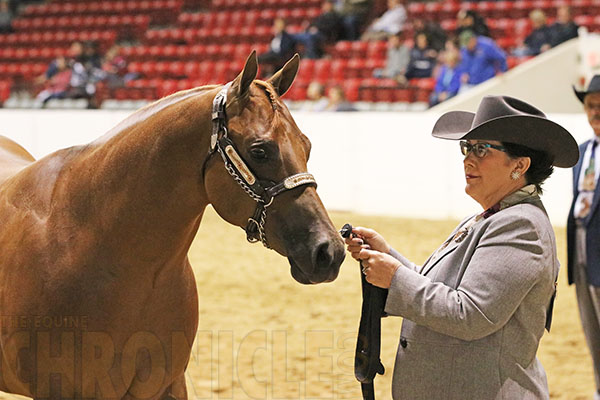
[(593, 87), (510, 120)]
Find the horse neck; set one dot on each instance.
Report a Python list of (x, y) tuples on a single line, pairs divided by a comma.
[(143, 185)]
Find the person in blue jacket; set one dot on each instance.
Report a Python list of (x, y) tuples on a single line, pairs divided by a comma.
[(447, 82), (481, 58)]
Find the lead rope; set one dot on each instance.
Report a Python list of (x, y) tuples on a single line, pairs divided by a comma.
[(367, 363)]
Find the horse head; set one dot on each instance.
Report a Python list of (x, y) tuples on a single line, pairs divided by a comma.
[(273, 153)]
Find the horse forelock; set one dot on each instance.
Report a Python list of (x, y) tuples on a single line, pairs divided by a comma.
[(281, 114), (270, 91)]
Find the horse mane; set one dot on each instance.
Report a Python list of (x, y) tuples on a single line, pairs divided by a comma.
[(151, 109), (160, 104)]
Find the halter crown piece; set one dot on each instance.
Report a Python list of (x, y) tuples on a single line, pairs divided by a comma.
[(243, 175)]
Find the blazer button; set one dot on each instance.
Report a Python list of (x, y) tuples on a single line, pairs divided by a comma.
[(403, 343)]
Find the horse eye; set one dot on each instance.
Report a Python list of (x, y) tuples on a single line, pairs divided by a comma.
[(258, 154)]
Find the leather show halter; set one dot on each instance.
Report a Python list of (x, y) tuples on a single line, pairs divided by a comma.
[(241, 173), (367, 363)]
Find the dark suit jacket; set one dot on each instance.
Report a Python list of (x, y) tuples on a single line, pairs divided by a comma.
[(287, 47), (592, 224)]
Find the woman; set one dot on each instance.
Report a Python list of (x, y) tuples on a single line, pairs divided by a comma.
[(474, 313)]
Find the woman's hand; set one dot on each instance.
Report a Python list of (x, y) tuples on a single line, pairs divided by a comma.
[(373, 239), (379, 268)]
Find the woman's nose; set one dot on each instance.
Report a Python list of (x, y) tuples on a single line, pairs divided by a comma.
[(469, 159)]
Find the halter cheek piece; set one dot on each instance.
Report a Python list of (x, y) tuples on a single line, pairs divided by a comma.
[(241, 173)]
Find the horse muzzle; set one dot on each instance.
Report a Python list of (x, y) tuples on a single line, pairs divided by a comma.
[(322, 264)]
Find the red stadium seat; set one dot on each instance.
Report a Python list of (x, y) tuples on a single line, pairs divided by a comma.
[(338, 69), (584, 20), (359, 49), (416, 9), (357, 68), (404, 95), (506, 43), (377, 50), (191, 69), (297, 92), (448, 10), (521, 9), (177, 69), (342, 49), (432, 10), (306, 70), (322, 70), (351, 88)]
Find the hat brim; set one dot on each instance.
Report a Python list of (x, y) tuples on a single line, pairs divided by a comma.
[(518, 129), (580, 94)]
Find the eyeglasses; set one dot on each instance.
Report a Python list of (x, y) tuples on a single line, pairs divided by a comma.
[(479, 149)]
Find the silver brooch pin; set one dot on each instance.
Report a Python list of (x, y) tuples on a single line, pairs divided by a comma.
[(460, 236)]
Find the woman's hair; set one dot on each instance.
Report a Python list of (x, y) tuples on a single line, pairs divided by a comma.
[(541, 163)]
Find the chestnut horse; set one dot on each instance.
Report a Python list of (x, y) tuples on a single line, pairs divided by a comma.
[(97, 296)]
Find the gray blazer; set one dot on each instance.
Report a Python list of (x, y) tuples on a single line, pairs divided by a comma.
[(475, 313)]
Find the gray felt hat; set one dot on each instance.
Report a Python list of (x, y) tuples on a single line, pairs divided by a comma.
[(510, 120)]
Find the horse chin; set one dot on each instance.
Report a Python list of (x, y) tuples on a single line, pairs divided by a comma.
[(304, 279)]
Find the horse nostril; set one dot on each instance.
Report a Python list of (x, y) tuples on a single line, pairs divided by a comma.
[(323, 257)]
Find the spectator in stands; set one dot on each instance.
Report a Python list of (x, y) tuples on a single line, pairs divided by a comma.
[(451, 44), (447, 82), (81, 85), (422, 60), (481, 59), (58, 86), (91, 56), (469, 20), (354, 15), (316, 96), (539, 39), (115, 68), (325, 28), (6, 17), (337, 100), (436, 36), (564, 28), (86, 73), (73, 54), (391, 22), (396, 63), (281, 49)]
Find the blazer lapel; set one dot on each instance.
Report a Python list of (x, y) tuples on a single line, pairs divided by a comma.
[(439, 255), (577, 169)]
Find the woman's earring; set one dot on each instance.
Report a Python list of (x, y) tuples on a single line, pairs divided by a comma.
[(515, 175)]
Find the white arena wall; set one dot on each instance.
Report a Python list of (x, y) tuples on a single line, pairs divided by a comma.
[(368, 163)]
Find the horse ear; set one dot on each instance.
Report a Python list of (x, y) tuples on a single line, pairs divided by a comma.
[(282, 79), (241, 84)]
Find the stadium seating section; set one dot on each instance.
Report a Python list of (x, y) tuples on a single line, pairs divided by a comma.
[(177, 44)]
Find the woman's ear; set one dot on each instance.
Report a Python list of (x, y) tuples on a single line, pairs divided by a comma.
[(523, 164)]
